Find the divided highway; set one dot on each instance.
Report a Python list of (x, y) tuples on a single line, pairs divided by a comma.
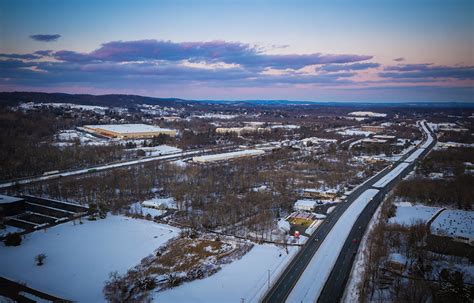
[(340, 274), (332, 291)]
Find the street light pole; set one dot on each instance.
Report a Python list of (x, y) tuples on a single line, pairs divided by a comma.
[(268, 279)]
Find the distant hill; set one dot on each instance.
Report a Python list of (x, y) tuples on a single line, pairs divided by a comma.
[(13, 98)]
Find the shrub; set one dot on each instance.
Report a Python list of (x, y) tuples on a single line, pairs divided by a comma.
[(39, 259), (13, 239)]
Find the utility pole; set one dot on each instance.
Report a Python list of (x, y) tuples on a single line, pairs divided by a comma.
[(268, 278)]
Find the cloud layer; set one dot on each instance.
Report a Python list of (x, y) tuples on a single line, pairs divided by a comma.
[(45, 37), (157, 64)]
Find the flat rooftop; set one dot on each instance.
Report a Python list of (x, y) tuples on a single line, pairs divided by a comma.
[(9, 199), (128, 128)]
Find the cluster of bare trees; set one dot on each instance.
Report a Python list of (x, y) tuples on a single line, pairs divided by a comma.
[(456, 136), (226, 196), (26, 150), (420, 275), (457, 191), (376, 149), (208, 196), (450, 161)]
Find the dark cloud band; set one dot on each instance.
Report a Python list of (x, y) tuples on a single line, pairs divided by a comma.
[(45, 37)]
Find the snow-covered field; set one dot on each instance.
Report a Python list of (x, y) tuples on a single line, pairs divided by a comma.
[(311, 282), (245, 279), (216, 116), (160, 150), (127, 128), (287, 126), (95, 108), (458, 223), (67, 137), (355, 132), (228, 156), (160, 203), (9, 229), (408, 214), (367, 114), (443, 145), (80, 257)]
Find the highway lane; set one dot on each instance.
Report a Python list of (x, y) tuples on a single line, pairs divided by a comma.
[(289, 277), (340, 274)]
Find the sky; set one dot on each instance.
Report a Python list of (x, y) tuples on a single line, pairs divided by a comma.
[(334, 50)]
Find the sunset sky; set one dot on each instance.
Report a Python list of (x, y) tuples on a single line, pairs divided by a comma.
[(333, 50)]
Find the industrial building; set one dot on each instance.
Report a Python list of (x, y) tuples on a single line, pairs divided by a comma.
[(129, 131)]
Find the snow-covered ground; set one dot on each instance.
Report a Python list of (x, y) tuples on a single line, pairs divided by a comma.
[(245, 279), (162, 203), (408, 214), (137, 208), (160, 150), (394, 173), (330, 209), (355, 132), (287, 126), (457, 223), (9, 229), (228, 156), (127, 128), (312, 281), (80, 257), (216, 116), (70, 136), (94, 108), (443, 145), (367, 114)]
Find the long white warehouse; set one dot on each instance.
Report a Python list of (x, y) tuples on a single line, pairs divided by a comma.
[(228, 156)]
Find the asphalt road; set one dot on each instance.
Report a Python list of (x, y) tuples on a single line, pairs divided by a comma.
[(287, 280)]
